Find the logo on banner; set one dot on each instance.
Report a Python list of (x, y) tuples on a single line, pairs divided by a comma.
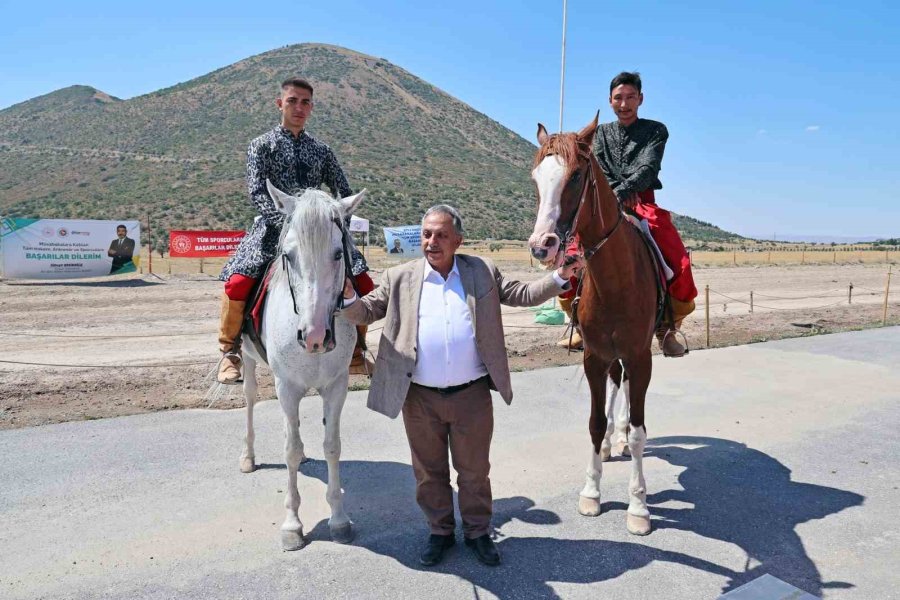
[(63, 232), (182, 244)]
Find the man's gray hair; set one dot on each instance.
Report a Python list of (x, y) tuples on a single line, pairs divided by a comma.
[(445, 209)]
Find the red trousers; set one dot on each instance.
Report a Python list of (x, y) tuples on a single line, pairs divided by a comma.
[(238, 287), (681, 287)]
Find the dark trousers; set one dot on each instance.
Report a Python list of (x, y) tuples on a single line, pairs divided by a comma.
[(462, 422)]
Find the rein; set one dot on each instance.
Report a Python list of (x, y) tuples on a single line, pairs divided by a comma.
[(348, 270), (570, 233), (590, 183)]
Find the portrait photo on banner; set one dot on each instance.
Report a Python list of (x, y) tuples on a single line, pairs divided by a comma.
[(403, 242)]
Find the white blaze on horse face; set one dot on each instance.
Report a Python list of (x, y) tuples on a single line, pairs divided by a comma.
[(549, 177)]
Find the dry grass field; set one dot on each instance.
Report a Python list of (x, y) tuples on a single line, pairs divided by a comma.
[(143, 342)]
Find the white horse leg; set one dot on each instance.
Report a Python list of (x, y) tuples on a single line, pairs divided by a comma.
[(637, 518), (332, 403), (621, 416), (292, 528), (606, 446), (589, 497), (248, 463)]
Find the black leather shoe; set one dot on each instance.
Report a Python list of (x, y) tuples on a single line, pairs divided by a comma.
[(484, 550), (434, 551)]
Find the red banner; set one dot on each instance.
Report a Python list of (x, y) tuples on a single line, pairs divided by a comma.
[(203, 244)]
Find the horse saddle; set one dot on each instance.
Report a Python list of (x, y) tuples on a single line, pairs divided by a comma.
[(253, 311), (665, 272)]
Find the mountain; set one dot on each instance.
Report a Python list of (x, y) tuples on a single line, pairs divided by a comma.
[(694, 230), (178, 154)]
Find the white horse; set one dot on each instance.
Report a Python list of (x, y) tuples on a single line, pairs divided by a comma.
[(306, 346)]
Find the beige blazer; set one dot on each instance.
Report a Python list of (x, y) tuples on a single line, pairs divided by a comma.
[(397, 301)]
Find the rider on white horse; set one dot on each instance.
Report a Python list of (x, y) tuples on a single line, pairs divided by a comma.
[(293, 161)]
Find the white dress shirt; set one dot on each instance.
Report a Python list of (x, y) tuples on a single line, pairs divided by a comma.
[(447, 354), (446, 351)]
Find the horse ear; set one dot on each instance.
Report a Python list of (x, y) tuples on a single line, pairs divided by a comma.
[(586, 135), (283, 202), (542, 135), (351, 202)]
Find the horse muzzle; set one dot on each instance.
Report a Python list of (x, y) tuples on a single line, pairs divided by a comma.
[(315, 342), (546, 248)]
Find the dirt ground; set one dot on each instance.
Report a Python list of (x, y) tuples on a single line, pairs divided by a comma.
[(147, 343)]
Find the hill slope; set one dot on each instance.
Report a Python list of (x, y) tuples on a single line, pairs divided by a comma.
[(178, 154)]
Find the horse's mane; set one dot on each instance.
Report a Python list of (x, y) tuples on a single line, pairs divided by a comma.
[(312, 209), (563, 145)]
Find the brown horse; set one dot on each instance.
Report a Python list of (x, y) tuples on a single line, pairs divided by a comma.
[(617, 308)]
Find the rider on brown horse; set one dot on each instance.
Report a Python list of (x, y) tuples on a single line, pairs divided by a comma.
[(630, 152)]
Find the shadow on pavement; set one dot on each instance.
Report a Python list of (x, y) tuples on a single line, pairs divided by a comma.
[(732, 493), (745, 497)]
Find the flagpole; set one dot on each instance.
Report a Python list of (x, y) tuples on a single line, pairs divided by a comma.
[(562, 73)]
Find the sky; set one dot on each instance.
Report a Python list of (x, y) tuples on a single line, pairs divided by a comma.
[(784, 117)]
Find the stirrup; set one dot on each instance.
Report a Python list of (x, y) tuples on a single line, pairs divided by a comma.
[(674, 332)]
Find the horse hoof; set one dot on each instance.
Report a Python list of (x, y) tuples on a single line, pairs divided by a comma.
[(605, 453), (292, 540), (304, 459), (637, 525), (248, 465), (589, 507), (622, 449), (343, 534)]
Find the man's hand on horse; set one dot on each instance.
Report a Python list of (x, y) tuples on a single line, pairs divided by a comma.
[(570, 269), (349, 292)]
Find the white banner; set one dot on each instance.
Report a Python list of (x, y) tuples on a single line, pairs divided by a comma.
[(404, 241), (62, 248), (358, 224)]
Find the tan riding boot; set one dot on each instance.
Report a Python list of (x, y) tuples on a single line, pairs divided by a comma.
[(360, 365), (577, 342), (230, 325), (668, 340)]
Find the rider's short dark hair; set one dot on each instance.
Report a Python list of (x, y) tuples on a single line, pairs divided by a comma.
[(297, 82), (626, 78)]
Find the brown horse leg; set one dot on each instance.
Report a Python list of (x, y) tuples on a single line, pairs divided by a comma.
[(616, 440), (637, 517), (596, 372)]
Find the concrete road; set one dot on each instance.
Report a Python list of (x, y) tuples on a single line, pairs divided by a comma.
[(778, 458)]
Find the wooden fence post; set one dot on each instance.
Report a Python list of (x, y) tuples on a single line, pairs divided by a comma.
[(850, 295), (751, 301), (887, 290), (201, 264), (707, 316)]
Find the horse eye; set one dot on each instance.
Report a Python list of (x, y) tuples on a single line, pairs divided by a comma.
[(338, 254)]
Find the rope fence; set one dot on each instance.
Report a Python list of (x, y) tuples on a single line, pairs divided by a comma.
[(750, 301)]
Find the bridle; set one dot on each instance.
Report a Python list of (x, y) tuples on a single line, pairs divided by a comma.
[(348, 274), (589, 183)]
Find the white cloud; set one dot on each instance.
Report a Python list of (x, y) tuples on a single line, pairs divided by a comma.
[(761, 132), (812, 127)]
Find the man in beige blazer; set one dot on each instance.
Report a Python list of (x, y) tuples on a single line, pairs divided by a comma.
[(441, 352)]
